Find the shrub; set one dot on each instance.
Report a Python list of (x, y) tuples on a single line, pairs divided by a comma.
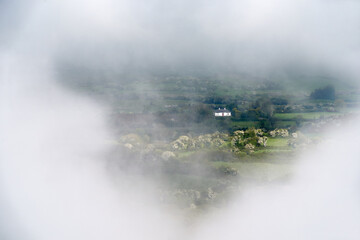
[(279, 133)]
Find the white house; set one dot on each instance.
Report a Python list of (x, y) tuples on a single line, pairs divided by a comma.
[(222, 113)]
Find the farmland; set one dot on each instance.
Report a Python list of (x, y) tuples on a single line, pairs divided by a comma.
[(183, 104), (165, 128)]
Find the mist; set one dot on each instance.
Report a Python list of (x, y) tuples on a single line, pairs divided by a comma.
[(55, 182), (320, 202), (254, 37)]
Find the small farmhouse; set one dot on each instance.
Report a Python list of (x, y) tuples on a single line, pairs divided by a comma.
[(222, 113)]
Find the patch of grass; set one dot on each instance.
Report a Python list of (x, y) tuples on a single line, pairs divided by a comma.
[(277, 142), (285, 124), (269, 155), (205, 155), (185, 154), (245, 124)]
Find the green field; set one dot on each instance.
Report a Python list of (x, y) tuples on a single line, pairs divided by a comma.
[(245, 124), (277, 142), (285, 124)]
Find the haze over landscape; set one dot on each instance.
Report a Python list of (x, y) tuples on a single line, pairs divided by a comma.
[(107, 127)]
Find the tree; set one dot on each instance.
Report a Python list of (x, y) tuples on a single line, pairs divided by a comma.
[(265, 106), (279, 101), (327, 92)]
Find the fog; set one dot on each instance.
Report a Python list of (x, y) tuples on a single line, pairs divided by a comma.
[(256, 37), (320, 202), (54, 181)]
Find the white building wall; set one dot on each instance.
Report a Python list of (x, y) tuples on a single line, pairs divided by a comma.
[(223, 114)]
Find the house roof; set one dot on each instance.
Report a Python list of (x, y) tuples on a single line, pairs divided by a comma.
[(221, 110)]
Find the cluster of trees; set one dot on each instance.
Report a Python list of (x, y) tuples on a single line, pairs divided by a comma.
[(248, 140), (260, 110), (191, 106), (221, 143), (215, 140), (327, 92)]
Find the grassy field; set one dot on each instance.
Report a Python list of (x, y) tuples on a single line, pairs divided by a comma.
[(277, 143), (285, 124), (245, 124)]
